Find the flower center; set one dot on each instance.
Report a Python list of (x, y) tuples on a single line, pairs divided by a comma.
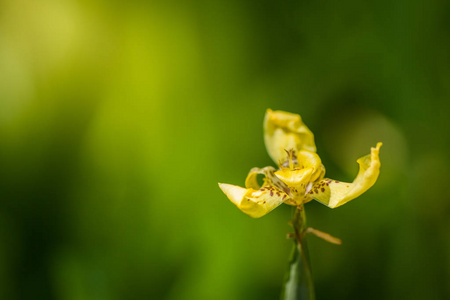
[(292, 161)]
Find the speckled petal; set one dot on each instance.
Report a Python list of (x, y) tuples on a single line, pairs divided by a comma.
[(286, 131), (333, 193), (255, 203), (270, 179), (297, 181)]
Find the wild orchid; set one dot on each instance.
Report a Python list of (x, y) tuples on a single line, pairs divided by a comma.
[(299, 178)]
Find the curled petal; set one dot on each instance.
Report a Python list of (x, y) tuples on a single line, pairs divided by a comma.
[(270, 179), (251, 180), (294, 178), (286, 131), (255, 203), (333, 193), (310, 160)]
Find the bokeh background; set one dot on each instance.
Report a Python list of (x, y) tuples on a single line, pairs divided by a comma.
[(118, 118)]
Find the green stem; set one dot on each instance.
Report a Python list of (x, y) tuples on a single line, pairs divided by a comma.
[(298, 283)]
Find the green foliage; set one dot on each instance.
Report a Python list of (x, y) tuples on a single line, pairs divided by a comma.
[(298, 282)]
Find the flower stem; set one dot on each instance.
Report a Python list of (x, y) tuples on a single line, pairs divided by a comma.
[(298, 283)]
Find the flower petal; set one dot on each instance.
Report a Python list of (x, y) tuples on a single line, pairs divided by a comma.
[(251, 180), (286, 131), (333, 193), (270, 179), (297, 181), (255, 203), (308, 159), (293, 178)]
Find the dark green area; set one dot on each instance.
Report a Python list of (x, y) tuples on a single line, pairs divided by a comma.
[(117, 120)]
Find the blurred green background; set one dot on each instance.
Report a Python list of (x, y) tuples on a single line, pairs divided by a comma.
[(117, 120)]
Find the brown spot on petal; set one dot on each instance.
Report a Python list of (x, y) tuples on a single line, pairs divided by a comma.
[(322, 189)]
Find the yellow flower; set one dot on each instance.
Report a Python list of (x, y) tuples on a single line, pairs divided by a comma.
[(300, 177)]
